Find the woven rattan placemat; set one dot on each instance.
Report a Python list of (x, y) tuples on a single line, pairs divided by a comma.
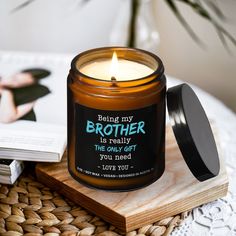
[(30, 208)]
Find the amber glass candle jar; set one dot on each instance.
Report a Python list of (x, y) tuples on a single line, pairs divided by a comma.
[(116, 123)]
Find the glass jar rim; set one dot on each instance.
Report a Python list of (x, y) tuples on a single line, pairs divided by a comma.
[(156, 74)]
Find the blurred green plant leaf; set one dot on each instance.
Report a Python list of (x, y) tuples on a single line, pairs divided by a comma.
[(22, 5), (195, 5), (177, 13), (212, 4), (198, 7)]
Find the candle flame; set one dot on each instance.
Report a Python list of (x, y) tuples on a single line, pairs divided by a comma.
[(114, 66)]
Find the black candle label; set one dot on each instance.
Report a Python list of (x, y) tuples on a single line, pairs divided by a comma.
[(118, 144)]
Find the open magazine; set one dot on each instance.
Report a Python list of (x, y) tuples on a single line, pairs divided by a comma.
[(33, 106)]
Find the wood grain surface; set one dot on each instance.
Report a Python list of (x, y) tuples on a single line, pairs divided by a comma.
[(175, 192)]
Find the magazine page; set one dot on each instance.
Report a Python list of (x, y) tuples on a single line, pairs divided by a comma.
[(33, 102)]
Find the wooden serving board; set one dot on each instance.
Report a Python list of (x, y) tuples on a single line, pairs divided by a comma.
[(175, 192)]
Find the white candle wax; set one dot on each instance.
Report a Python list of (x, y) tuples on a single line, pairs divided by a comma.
[(122, 70)]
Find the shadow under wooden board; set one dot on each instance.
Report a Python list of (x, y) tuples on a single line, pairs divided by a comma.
[(175, 192)]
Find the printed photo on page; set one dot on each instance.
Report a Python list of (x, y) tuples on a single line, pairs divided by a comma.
[(33, 106)]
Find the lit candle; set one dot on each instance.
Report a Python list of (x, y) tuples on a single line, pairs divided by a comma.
[(116, 134), (120, 69)]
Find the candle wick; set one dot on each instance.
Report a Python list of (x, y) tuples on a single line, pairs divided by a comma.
[(113, 80)]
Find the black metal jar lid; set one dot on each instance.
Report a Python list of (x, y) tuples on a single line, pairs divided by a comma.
[(193, 132)]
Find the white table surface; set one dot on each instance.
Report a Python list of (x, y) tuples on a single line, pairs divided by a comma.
[(216, 218)]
